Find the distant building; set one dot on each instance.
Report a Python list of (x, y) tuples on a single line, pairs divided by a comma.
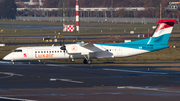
[(25, 0), (173, 6), (37, 0), (33, 2)]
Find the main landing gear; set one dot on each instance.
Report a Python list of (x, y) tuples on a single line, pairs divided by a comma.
[(87, 59)]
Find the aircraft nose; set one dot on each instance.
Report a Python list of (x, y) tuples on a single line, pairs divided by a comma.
[(7, 57)]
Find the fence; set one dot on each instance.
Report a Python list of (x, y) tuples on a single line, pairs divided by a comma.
[(92, 19)]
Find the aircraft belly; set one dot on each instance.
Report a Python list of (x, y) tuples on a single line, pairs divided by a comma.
[(104, 54), (80, 56)]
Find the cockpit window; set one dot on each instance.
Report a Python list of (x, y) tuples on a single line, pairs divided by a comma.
[(18, 50)]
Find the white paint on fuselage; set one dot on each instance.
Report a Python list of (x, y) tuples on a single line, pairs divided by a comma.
[(74, 51), (37, 53)]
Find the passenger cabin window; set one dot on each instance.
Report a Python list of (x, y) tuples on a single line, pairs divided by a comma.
[(18, 50)]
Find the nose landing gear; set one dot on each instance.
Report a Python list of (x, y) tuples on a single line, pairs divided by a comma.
[(12, 62)]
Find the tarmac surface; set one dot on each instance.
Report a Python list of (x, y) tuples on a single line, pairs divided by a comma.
[(80, 82)]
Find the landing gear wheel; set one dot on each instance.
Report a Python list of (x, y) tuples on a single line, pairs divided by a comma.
[(12, 62), (87, 61)]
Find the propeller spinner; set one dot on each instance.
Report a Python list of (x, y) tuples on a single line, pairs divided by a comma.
[(63, 47)]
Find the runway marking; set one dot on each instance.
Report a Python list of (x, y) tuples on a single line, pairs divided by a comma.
[(151, 89), (10, 75), (66, 80), (132, 71), (141, 88), (6, 98), (65, 94), (56, 65), (5, 77), (4, 62)]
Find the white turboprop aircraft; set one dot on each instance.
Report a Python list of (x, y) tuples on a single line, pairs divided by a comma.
[(87, 51)]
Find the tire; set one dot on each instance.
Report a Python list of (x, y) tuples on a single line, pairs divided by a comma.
[(85, 61), (89, 62)]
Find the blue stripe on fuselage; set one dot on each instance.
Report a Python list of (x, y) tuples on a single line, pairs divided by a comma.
[(137, 46), (155, 43)]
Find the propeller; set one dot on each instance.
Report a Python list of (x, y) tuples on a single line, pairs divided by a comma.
[(60, 43), (63, 47)]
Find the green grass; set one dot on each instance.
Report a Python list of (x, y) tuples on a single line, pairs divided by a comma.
[(8, 27), (169, 69), (95, 24), (50, 32)]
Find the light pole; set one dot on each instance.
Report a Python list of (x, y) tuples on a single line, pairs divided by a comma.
[(77, 15)]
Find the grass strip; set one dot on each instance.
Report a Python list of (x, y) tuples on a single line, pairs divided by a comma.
[(170, 69), (165, 64)]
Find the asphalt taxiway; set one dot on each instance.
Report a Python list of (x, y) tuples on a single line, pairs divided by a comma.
[(79, 82)]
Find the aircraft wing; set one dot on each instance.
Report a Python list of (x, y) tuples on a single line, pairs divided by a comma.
[(92, 47), (84, 48), (98, 51), (89, 44)]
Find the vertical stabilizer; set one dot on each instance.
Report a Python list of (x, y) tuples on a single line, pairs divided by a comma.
[(163, 31)]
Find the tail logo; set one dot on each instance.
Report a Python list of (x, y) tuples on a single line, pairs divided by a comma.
[(160, 27), (25, 55), (74, 48)]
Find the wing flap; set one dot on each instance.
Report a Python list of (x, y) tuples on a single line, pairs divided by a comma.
[(89, 44)]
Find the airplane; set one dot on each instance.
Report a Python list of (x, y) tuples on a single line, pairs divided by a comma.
[(88, 51)]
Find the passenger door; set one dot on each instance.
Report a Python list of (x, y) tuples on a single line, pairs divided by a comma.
[(30, 53), (118, 51)]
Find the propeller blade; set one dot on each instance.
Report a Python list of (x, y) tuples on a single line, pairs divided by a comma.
[(63, 47), (60, 43), (63, 42)]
